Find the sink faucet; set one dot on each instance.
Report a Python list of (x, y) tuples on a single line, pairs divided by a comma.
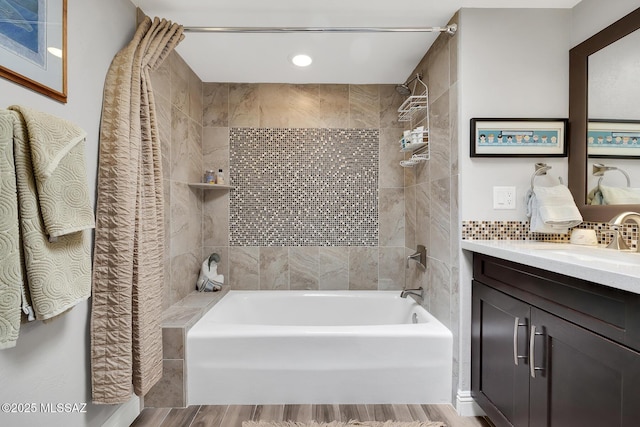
[(417, 293), (615, 222)]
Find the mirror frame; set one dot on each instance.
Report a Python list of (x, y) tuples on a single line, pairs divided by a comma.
[(578, 114)]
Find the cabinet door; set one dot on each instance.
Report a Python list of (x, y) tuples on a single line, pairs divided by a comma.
[(585, 380), (499, 349)]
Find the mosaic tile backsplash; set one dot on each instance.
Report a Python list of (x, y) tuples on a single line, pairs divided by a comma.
[(303, 187), (519, 230)]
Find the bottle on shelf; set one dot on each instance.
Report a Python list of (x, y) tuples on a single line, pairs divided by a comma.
[(209, 177), (220, 177)]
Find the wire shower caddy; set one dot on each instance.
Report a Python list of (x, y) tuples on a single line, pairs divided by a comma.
[(415, 111)]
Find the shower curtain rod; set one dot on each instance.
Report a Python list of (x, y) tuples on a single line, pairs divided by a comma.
[(450, 29)]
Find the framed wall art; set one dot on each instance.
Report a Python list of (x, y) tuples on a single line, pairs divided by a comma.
[(518, 137), (617, 139), (33, 45)]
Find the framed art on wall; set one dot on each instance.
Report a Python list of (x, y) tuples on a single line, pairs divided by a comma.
[(33, 39), (617, 139), (518, 137)]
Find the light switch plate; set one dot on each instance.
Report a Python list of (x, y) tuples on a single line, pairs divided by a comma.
[(504, 197)]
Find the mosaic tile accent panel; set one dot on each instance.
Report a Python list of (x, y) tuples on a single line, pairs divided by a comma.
[(519, 230), (303, 187)]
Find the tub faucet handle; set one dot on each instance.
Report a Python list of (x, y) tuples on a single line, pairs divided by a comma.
[(420, 256)]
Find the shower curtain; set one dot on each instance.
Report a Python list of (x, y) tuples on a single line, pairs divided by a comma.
[(126, 311)]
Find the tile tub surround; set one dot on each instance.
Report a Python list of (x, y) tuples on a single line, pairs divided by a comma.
[(431, 191), (315, 257), (179, 107), (170, 391)]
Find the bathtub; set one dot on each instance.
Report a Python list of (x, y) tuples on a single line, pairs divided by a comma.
[(302, 347)]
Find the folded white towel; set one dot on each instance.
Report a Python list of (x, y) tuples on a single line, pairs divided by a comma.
[(552, 210), (619, 195), (536, 225)]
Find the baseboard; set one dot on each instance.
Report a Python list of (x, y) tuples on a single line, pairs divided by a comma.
[(125, 414), (467, 406)]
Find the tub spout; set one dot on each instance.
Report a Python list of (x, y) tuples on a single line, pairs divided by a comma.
[(417, 293)]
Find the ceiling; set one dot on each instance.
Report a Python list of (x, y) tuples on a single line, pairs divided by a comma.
[(337, 58)]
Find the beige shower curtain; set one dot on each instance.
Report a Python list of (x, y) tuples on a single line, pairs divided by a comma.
[(126, 335)]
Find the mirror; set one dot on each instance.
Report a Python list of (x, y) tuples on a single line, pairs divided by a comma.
[(591, 58)]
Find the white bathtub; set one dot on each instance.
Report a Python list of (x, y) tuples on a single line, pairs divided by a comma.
[(287, 347)]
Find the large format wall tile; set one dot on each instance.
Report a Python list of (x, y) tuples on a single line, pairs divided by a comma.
[(216, 104), (392, 218), (391, 264), (333, 269), (390, 100), (334, 106), (440, 232), (215, 218), (179, 71), (363, 268), (273, 105), (303, 106), (391, 173), (244, 106), (364, 106), (440, 142), (215, 149), (274, 268), (186, 208), (304, 267), (244, 268)]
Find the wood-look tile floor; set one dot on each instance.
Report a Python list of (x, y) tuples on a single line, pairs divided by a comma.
[(234, 415)]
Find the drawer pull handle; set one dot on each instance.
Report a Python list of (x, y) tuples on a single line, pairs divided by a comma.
[(517, 324), (532, 341)]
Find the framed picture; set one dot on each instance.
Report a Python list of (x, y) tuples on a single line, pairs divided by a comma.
[(33, 45), (618, 139), (518, 137)]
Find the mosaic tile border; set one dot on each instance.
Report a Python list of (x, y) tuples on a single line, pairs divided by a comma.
[(519, 230), (304, 187)]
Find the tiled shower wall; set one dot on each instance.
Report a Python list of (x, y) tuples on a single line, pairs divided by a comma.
[(431, 191), (290, 106), (178, 96)]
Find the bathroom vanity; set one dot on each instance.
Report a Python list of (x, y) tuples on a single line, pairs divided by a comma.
[(555, 336)]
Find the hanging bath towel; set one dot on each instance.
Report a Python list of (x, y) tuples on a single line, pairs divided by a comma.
[(10, 271), (57, 156), (58, 273)]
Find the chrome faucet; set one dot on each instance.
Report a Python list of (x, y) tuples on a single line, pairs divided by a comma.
[(420, 256), (618, 242), (417, 293)]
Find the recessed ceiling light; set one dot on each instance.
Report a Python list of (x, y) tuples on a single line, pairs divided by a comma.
[(301, 60)]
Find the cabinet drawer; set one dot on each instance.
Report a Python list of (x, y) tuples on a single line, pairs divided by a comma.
[(609, 312)]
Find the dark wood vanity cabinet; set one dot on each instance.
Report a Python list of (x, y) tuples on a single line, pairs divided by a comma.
[(552, 350)]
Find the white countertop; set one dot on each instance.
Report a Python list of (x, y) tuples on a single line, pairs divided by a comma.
[(617, 269)]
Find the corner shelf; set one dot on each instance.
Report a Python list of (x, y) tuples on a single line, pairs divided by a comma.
[(205, 186)]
